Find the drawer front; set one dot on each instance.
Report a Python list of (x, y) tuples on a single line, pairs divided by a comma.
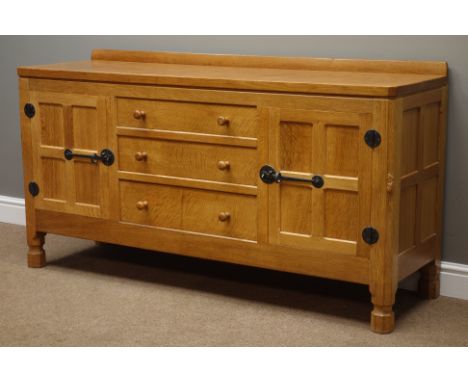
[(238, 121), (208, 212), (188, 160)]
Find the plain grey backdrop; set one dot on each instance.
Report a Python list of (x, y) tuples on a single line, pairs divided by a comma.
[(29, 50)]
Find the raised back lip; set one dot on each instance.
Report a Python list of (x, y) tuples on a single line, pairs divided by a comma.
[(274, 62)]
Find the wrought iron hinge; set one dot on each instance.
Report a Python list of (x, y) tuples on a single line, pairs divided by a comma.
[(370, 235), (372, 138), (33, 188), (29, 110)]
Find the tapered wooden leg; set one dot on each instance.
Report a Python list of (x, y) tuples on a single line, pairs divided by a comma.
[(429, 282), (382, 319), (36, 253)]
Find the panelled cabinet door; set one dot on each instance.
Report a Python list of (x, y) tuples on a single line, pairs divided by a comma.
[(77, 123), (304, 143)]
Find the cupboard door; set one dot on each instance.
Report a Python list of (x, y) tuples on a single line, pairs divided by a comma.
[(77, 123), (305, 143)]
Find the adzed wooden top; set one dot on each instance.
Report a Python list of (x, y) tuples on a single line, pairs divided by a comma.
[(259, 73)]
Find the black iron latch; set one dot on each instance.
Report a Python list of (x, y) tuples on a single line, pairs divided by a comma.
[(269, 175), (29, 110), (106, 156), (33, 188)]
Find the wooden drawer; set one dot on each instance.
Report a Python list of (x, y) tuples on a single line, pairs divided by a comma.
[(208, 212), (188, 160), (204, 118)]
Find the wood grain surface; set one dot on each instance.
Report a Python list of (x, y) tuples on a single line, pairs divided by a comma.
[(190, 133), (303, 75)]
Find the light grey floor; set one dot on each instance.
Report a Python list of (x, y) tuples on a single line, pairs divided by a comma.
[(114, 296)]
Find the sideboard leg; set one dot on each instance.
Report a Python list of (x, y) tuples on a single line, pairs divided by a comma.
[(429, 283), (382, 319), (36, 253)]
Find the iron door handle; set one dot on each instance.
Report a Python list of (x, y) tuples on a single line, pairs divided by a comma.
[(106, 156), (269, 175)]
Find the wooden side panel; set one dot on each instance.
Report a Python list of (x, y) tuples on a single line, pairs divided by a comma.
[(428, 207), (410, 142), (408, 218), (422, 141), (431, 135)]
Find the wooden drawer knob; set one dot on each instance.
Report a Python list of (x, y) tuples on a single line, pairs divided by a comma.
[(141, 155), (224, 216), (224, 165), (142, 205), (223, 121), (139, 114)]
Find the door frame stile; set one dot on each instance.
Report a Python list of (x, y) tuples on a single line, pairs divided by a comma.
[(383, 267), (274, 222), (263, 152)]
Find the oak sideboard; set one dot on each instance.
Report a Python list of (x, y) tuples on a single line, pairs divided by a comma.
[(324, 167)]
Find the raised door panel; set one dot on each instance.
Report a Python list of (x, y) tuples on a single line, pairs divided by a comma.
[(421, 135), (78, 123), (305, 143)]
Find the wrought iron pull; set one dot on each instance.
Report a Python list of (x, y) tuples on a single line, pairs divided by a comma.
[(106, 156), (269, 175)]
